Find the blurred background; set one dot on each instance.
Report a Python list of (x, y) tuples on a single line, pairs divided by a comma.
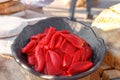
[(105, 18)]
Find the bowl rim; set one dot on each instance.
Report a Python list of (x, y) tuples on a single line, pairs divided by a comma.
[(28, 68)]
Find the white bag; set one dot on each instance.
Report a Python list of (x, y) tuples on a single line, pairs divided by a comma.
[(37, 3)]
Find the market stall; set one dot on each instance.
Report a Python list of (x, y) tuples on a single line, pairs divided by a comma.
[(109, 69)]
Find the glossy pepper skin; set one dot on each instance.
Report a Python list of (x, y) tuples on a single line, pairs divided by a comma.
[(79, 67), (76, 41), (53, 40), (70, 49), (59, 42), (67, 59), (53, 68), (31, 59), (49, 34), (40, 58), (29, 47), (77, 57), (55, 58), (88, 52), (58, 53), (37, 37)]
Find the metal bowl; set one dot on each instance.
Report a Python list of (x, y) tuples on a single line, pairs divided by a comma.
[(97, 44)]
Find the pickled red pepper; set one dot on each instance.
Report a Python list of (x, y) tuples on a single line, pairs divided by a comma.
[(58, 53)]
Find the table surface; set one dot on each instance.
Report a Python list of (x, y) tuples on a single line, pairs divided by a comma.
[(8, 65)]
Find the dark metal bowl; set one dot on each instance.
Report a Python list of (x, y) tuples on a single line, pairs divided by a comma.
[(59, 23)]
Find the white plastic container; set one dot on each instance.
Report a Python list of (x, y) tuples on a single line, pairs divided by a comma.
[(37, 3)]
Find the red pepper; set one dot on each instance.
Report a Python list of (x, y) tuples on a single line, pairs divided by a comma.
[(80, 55), (48, 36), (42, 40), (50, 65), (83, 54), (55, 58), (79, 67), (46, 30), (67, 61), (40, 58), (75, 40), (46, 46), (70, 49), (64, 45), (37, 37), (88, 52), (59, 52), (53, 40), (64, 41), (67, 74), (45, 69), (59, 42), (29, 47), (31, 59), (77, 56)]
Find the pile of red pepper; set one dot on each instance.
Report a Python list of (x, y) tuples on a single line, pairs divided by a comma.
[(58, 53)]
